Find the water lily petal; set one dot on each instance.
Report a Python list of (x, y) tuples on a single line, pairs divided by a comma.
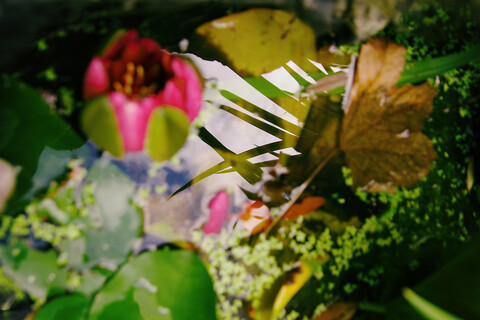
[(219, 206), (193, 86), (115, 47), (8, 176), (96, 80), (132, 117), (150, 45), (134, 52)]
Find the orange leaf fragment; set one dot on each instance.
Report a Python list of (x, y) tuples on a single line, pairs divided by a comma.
[(305, 207)]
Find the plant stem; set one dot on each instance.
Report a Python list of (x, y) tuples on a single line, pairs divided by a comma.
[(372, 307), (298, 192)]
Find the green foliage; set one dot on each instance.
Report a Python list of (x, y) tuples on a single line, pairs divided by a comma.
[(27, 128), (34, 271), (168, 131), (73, 307), (153, 286), (454, 289)]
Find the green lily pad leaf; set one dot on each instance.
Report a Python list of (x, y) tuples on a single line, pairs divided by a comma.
[(114, 223), (176, 279), (91, 281), (100, 124), (245, 41), (51, 165), (27, 127), (36, 272), (72, 307), (167, 132), (147, 303)]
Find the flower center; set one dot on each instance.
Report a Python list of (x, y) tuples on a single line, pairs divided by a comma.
[(134, 83)]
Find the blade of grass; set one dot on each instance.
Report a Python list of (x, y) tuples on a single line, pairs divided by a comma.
[(426, 308), (422, 70), (274, 131), (278, 145), (266, 115), (249, 171)]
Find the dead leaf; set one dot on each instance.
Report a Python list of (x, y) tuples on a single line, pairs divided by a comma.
[(305, 207), (339, 311), (380, 134)]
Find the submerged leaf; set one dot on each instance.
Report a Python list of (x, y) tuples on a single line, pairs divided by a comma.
[(381, 128)]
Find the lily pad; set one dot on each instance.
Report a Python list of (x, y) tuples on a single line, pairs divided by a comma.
[(34, 271), (72, 307), (113, 223), (167, 132), (177, 280), (256, 41), (381, 130), (23, 108)]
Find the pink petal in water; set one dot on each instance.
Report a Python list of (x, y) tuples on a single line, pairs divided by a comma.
[(218, 206)]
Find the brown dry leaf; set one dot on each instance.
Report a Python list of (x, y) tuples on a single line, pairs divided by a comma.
[(381, 128), (339, 311)]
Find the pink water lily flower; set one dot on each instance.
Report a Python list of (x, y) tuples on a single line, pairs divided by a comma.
[(137, 77)]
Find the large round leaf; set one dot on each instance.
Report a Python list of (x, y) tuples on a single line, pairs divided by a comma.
[(36, 272), (100, 124), (72, 307), (257, 41), (158, 285), (167, 132)]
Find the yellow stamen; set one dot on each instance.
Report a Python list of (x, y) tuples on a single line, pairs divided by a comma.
[(128, 80), (118, 86), (128, 90), (143, 91), (140, 73), (152, 88), (130, 68)]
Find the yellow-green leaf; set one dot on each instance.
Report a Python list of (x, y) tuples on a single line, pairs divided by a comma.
[(100, 124), (257, 41), (291, 287), (167, 132)]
